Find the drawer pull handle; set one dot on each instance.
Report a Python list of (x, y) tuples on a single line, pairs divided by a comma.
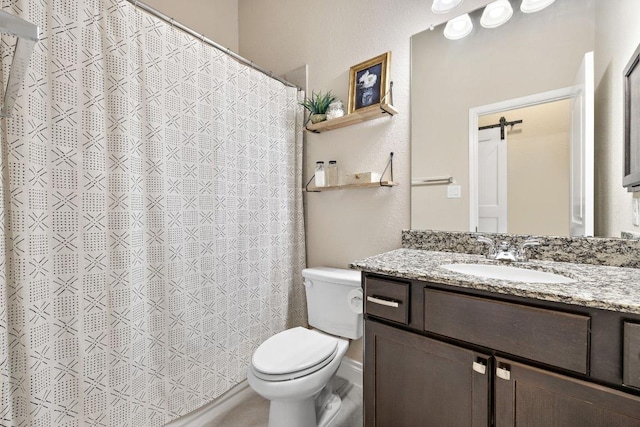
[(384, 302)]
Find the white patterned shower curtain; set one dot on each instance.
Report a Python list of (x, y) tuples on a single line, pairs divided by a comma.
[(152, 232)]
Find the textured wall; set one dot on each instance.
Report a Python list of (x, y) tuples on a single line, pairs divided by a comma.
[(618, 35), (331, 36), (216, 19)]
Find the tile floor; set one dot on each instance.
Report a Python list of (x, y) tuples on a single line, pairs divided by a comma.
[(254, 411)]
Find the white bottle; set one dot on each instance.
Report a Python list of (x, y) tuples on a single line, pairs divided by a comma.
[(332, 173), (320, 181)]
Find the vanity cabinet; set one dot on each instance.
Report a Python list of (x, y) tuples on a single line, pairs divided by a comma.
[(530, 397), (438, 355), (419, 381)]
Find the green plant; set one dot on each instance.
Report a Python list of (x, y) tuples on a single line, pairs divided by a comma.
[(318, 103)]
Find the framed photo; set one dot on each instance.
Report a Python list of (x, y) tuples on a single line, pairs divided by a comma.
[(369, 83), (631, 178)]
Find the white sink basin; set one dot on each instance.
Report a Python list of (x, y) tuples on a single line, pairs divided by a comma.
[(504, 272)]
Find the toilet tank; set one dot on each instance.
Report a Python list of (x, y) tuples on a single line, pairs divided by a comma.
[(334, 300)]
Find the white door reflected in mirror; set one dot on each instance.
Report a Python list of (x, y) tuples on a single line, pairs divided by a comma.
[(548, 189), (492, 181)]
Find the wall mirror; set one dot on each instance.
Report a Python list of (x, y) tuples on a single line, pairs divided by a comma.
[(516, 71)]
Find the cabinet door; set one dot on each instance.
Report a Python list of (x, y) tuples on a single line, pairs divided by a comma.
[(527, 396), (414, 381)]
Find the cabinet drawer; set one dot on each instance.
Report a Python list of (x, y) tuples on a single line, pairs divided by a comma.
[(547, 336), (387, 299), (631, 362)]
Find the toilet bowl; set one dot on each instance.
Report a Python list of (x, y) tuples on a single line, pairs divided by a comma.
[(294, 394), (294, 368)]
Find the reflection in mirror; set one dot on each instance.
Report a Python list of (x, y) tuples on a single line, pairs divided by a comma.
[(524, 174), (530, 54)]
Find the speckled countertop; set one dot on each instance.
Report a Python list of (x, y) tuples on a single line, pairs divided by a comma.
[(603, 287)]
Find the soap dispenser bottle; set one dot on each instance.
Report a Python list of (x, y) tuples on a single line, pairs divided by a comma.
[(320, 177)]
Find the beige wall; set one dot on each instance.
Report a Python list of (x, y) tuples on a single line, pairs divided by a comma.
[(618, 35), (216, 19), (331, 36), (538, 168), (529, 54)]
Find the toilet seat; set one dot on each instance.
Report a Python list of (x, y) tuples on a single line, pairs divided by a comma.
[(292, 354)]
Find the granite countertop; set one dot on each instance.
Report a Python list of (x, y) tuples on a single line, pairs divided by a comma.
[(603, 287)]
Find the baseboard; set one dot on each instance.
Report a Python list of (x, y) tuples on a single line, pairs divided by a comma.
[(209, 412), (351, 371)]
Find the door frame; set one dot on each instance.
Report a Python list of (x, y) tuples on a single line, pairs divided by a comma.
[(498, 107)]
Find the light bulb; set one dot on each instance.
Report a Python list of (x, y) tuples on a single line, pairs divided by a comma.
[(458, 27), (444, 6), (531, 6), (496, 14)]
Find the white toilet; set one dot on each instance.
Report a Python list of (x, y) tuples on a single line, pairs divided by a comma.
[(293, 369)]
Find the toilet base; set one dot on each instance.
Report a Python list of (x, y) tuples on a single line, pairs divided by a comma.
[(292, 413), (330, 410), (302, 413)]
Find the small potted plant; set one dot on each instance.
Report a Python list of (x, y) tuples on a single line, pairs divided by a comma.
[(318, 105)]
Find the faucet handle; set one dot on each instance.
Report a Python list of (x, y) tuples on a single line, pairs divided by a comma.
[(491, 243), (485, 239), (522, 254), (531, 241)]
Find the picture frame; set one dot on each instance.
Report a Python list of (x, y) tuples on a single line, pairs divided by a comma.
[(631, 74), (369, 83)]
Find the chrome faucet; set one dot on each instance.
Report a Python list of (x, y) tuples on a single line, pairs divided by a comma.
[(506, 251)]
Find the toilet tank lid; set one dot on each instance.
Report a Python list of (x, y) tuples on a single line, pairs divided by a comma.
[(333, 275)]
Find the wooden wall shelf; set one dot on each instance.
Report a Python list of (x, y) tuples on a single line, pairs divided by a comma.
[(352, 186), (352, 119)]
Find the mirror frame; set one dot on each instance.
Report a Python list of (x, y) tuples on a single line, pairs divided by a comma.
[(631, 178)]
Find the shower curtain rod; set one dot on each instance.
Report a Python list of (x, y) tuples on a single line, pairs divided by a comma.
[(208, 41)]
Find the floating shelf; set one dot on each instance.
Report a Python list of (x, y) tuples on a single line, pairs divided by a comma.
[(381, 183), (352, 119), (352, 186)]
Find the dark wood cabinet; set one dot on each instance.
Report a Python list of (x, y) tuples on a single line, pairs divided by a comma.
[(412, 380), (549, 336), (531, 397), (445, 357)]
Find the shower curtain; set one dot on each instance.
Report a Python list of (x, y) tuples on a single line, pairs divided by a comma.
[(152, 231)]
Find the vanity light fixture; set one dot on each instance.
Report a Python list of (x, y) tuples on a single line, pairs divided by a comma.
[(530, 6), (444, 6), (458, 27), (496, 14)]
